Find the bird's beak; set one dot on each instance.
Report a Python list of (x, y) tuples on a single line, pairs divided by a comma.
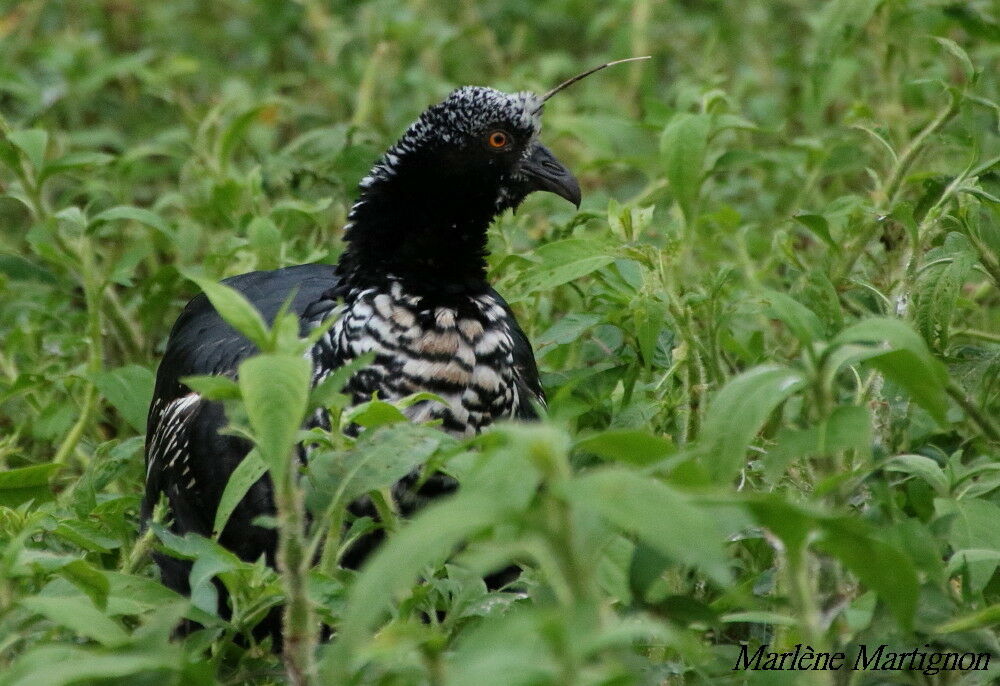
[(545, 173)]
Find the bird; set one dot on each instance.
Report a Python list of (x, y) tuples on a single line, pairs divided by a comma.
[(410, 288)]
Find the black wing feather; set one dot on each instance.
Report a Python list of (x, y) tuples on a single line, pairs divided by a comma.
[(187, 458)]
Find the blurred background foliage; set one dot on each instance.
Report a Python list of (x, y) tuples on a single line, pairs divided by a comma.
[(770, 337)]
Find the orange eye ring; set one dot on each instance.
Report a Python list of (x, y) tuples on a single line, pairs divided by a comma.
[(498, 140)]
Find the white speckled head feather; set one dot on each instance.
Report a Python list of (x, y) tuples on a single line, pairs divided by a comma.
[(466, 113)]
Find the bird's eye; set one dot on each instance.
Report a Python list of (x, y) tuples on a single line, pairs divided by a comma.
[(498, 140)]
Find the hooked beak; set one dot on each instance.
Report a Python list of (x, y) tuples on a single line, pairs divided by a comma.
[(545, 173)]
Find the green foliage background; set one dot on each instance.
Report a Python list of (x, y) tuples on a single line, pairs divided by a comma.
[(770, 337)]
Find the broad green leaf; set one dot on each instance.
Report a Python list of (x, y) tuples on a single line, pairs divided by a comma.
[(881, 567), (819, 226), (374, 413), (78, 615), (31, 142), (627, 445), (136, 214), (924, 467), (75, 160), (564, 261), (26, 483), (800, 320), (275, 388), (425, 540), (248, 472), (237, 128), (235, 309), (973, 523), (213, 387), (87, 535), (683, 146), (130, 390), (376, 461), (325, 392), (906, 360), (88, 579), (790, 522), (60, 665), (737, 413), (657, 514), (978, 566), (848, 427), (961, 55), (18, 268)]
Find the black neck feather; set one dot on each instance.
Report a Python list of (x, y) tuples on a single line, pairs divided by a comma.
[(427, 230)]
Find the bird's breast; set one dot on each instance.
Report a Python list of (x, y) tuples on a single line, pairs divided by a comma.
[(461, 351)]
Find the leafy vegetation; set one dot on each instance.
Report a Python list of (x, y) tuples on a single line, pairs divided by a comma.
[(770, 339)]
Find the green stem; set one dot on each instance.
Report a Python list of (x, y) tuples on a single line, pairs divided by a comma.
[(909, 154), (92, 287), (976, 416), (975, 333), (298, 623)]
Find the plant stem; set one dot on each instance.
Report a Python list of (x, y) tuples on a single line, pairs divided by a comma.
[(93, 284), (298, 623), (909, 154), (985, 424)]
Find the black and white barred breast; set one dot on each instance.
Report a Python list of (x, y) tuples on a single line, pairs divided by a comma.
[(463, 348)]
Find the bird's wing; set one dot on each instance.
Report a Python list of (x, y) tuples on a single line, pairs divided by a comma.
[(186, 457), (529, 387)]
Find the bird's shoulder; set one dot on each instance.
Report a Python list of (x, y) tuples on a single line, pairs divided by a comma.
[(202, 342)]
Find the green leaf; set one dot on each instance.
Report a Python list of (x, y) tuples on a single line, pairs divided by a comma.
[(800, 320), (426, 540), (906, 360), (31, 142), (88, 579), (977, 566), (275, 388), (627, 445), (130, 390), (75, 160), (661, 517), (213, 387), (374, 413), (924, 467), (818, 225), (78, 615), (881, 567), (26, 483), (324, 394), (236, 130), (683, 146), (18, 268), (848, 427), (564, 261), (61, 665), (136, 214), (234, 309), (972, 523), (378, 460), (248, 472), (737, 413), (960, 54)]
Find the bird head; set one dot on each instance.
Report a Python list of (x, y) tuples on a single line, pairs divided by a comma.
[(426, 204), (480, 148)]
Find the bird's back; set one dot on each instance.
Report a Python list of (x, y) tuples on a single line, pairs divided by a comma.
[(187, 459)]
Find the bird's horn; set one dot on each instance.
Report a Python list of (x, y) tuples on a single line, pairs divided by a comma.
[(570, 82)]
